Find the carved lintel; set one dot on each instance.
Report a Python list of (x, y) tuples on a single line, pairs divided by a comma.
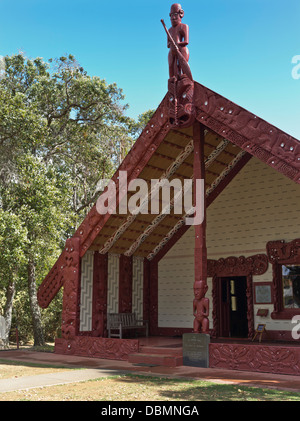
[(238, 266), (282, 252), (181, 104)]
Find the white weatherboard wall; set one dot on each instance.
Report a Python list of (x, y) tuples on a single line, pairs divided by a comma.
[(86, 290), (113, 284), (258, 206)]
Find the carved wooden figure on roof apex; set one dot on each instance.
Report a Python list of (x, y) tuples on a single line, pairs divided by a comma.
[(180, 83)]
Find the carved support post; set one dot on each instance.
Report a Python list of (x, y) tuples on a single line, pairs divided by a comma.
[(125, 284), (201, 304), (153, 297), (99, 294), (146, 290), (71, 274)]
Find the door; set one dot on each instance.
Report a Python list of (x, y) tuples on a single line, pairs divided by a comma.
[(233, 307)]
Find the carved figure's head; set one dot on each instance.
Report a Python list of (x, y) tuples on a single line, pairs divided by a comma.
[(176, 14), (200, 289)]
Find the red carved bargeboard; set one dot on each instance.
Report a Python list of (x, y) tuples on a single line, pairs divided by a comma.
[(87, 346), (246, 130), (255, 357)]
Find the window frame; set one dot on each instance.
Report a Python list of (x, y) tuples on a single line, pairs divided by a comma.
[(281, 253)]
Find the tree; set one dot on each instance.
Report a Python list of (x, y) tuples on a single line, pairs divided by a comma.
[(13, 237), (59, 135), (61, 131)]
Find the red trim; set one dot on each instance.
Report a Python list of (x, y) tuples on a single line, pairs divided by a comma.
[(146, 290), (71, 276), (200, 251), (279, 253), (246, 130), (87, 346), (125, 284), (153, 298), (99, 294), (281, 359)]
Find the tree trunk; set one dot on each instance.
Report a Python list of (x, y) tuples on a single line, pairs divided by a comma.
[(35, 309), (10, 294)]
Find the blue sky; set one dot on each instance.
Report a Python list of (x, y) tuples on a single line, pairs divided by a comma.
[(242, 49)]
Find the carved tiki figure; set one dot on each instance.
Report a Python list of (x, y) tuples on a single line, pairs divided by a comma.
[(200, 307), (180, 34), (180, 83)]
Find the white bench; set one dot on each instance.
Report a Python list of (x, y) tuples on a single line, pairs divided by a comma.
[(118, 322)]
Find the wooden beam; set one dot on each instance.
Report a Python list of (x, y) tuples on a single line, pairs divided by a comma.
[(157, 220), (200, 250), (130, 219), (180, 228)]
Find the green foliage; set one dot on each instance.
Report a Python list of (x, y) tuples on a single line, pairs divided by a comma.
[(61, 131)]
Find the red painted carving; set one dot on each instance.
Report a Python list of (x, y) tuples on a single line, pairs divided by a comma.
[(246, 130), (125, 284), (180, 84), (99, 294), (201, 307), (178, 39), (108, 348), (181, 108), (238, 266), (67, 266), (146, 290), (215, 312), (153, 298), (200, 303), (52, 283), (235, 266), (71, 275), (253, 357), (280, 252)]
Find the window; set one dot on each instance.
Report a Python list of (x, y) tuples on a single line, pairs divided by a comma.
[(291, 285), (285, 259)]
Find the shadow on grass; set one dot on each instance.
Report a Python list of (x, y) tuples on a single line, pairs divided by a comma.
[(37, 365), (199, 390)]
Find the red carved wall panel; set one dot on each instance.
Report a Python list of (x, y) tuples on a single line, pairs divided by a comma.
[(254, 357), (125, 284), (87, 346), (146, 290), (238, 266), (71, 276), (99, 294), (280, 252), (153, 298), (268, 143)]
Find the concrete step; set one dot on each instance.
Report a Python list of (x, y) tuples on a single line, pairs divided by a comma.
[(167, 360), (161, 350)]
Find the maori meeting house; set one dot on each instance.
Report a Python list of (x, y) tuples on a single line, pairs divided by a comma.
[(243, 254)]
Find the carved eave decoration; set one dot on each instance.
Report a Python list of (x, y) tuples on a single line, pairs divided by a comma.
[(238, 266), (281, 252)]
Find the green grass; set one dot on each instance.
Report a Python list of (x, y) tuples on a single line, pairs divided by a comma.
[(132, 387)]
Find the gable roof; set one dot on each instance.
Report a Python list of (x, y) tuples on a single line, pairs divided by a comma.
[(232, 136)]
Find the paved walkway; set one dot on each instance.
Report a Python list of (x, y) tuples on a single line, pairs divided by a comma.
[(94, 368)]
